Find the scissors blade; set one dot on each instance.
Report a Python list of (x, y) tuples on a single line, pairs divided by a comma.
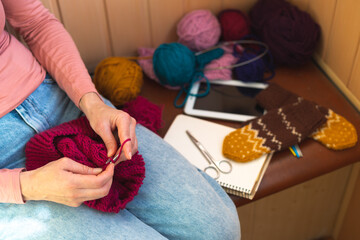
[(200, 147)]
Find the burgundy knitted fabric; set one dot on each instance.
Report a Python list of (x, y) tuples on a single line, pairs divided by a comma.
[(77, 140), (145, 112)]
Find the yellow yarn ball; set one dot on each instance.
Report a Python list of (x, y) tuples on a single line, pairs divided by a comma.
[(118, 79)]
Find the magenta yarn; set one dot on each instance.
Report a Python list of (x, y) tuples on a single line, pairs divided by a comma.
[(198, 30), (148, 67), (145, 113), (234, 24)]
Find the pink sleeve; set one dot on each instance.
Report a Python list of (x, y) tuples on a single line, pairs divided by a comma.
[(51, 44), (10, 191)]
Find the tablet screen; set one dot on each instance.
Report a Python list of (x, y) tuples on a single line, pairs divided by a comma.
[(229, 99)]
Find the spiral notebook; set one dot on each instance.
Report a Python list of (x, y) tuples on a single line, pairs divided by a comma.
[(244, 178)]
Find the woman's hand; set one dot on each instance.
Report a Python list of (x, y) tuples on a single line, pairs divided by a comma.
[(105, 120), (67, 182)]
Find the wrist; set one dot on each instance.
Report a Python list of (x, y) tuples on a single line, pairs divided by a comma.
[(89, 101), (25, 185)]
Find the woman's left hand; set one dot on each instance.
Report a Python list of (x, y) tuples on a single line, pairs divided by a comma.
[(107, 121)]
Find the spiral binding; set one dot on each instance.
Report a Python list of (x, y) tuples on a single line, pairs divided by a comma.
[(236, 190)]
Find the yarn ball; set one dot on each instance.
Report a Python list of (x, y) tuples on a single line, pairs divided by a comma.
[(118, 79), (77, 141), (212, 73), (198, 30), (291, 34), (234, 24), (145, 113), (251, 72), (175, 64), (148, 66)]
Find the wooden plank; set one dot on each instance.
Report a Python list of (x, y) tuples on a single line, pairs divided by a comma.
[(322, 12), (354, 82), (129, 25), (350, 227), (243, 6), (350, 194), (305, 211), (53, 6), (86, 22), (343, 41), (351, 97), (164, 17), (301, 4), (215, 6)]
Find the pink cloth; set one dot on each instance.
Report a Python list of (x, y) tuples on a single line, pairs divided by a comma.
[(213, 70), (51, 49), (10, 191), (22, 70), (77, 140)]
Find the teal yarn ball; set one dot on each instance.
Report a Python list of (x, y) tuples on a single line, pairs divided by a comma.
[(177, 66), (174, 64)]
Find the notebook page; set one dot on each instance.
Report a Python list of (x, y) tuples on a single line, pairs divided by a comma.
[(211, 135)]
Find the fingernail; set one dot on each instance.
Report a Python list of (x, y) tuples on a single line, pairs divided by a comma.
[(97, 170), (129, 155)]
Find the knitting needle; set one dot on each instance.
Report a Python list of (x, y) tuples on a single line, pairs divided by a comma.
[(114, 159)]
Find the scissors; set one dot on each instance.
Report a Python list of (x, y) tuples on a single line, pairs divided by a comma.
[(212, 163)]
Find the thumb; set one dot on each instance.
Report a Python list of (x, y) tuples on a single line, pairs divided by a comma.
[(109, 141), (78, 168)]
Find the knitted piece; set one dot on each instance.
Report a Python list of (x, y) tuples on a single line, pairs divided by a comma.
[(77, 140), (276, 130), (337, 133)]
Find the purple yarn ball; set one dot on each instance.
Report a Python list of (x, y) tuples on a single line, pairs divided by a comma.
[(252, 72), (292, 35)]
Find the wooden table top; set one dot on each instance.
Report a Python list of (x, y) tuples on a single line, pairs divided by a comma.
[(284, 170)]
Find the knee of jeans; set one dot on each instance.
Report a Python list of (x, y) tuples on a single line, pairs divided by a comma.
[(223, 225)]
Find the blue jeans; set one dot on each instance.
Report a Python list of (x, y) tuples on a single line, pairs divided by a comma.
[(176, 201)]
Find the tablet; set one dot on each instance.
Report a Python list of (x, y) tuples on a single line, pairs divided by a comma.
[(227, 99)]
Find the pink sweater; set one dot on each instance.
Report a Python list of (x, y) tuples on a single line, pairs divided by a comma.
[(22, 70)]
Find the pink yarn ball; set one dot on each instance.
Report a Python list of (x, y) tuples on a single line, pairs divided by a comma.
[(199, 30), (227, 59), (147, 65)]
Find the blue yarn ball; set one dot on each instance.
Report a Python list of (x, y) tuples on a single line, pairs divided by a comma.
[(251, 72), (174, 64)]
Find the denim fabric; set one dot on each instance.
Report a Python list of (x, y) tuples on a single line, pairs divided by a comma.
[(176, 200)]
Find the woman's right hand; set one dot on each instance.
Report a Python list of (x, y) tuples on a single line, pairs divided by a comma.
[(67, 182)]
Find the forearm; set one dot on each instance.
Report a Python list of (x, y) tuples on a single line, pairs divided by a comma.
[(10, 189), (51, 44)]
